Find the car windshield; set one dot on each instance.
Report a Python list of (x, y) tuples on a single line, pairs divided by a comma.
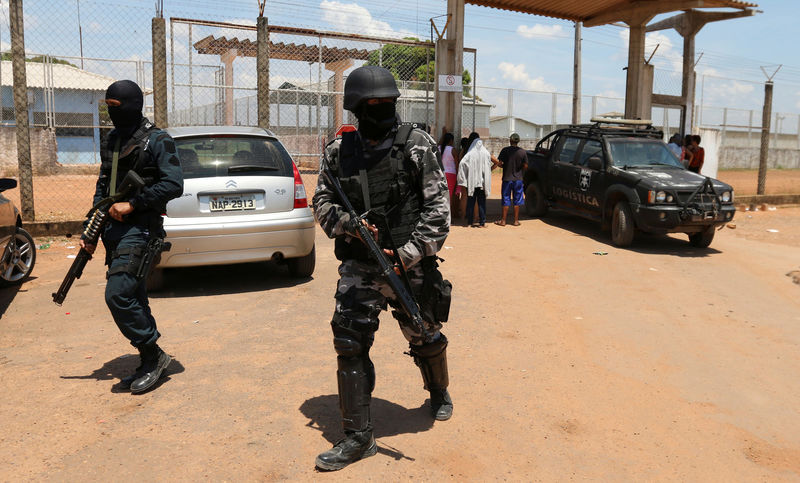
[(226, 155), (629, 152)]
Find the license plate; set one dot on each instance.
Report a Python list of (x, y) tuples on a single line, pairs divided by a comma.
[(232, 203)]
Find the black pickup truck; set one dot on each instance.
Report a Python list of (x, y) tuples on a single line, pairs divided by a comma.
[(620, 173)]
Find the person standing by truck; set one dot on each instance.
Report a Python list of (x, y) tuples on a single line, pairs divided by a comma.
[(514, 161)]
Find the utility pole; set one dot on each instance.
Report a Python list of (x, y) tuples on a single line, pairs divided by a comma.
[(21, 110), (765, 124), (576, 79)]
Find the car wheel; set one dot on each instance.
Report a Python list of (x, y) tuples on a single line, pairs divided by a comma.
[(18, 259), (303, 267), (534, 200), (702, 239), (622, 225), (155, 281)]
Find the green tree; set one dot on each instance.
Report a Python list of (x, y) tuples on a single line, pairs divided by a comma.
[(40, 59)]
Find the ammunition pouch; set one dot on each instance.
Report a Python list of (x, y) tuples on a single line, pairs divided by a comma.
[(436, 293), (141, 259)]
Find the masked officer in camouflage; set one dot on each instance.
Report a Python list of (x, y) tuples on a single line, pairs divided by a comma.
[(136, 226), (391, 172)]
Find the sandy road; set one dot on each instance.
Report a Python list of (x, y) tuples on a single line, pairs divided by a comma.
[(661, 362)]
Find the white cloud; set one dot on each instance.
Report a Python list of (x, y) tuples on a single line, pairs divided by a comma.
[(516, 73), (666, 57), (352, 16), (540, 30)]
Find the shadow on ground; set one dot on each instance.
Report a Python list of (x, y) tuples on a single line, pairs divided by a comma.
[(675, 245), (225, 279), (390, 419), (7, 295), (125, 365)]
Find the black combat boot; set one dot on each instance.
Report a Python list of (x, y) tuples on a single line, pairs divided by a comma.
[(154, 361), (356, 378), (355, 446), (432, 362)]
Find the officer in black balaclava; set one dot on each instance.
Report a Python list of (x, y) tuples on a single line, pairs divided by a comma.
[(136, 228), (391, 174)]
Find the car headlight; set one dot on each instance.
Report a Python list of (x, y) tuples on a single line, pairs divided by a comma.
[(659, 197), (726, 197)]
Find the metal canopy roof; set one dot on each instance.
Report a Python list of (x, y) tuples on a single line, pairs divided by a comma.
[(278, 50), (599, 12)]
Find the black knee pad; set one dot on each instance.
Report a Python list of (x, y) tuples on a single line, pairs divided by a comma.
[(427, 351)]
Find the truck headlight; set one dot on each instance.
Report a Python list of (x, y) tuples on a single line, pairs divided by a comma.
[(658, 197), (726, 197)]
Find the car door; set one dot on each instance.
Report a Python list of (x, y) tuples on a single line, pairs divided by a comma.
[(589, 176), (562, 169), (8, 219)]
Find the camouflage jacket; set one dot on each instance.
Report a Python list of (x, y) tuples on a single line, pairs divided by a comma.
[(433, 224)]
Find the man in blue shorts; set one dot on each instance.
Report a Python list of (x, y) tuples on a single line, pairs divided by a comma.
[(514, 160)]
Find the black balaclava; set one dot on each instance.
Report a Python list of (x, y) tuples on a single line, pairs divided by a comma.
[(128, 115), (375, 120)]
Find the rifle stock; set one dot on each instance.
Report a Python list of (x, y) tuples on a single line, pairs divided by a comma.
[(404, 295)]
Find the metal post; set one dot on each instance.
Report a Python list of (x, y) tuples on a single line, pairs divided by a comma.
[(427, 88), (21, 110), (554, 106), (172, 61), (510, 111), (474, 85), (191, 90), (594, 106), (750, 130), (724, 125), (765, 119), (798, 131), (576, 79), (262, 66), (159, 27), (319, 93)]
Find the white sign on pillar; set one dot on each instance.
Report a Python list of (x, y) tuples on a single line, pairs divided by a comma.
[(450, 83)]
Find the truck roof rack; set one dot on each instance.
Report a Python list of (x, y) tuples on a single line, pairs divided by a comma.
[(621, 122), (619, 126)]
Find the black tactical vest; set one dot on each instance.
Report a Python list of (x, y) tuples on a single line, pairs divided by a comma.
[(129, 157), (387, 187)]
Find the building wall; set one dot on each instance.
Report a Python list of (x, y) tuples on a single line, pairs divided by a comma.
[(748, 158), (43, 150)]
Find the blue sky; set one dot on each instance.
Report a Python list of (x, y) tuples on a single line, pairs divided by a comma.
[(514, 50)]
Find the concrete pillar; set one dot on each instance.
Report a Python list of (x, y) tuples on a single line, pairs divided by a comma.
[(687, 84), (262, 71), (21, 110), (633, 103), (763, 154), (450, 61), (576, 76), (338, 67), (159, 28), (227, 58)]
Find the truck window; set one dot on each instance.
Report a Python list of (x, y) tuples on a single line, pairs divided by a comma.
[(568, 150), (590, 148)]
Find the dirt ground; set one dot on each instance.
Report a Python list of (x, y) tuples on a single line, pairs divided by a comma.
[(659, 362), (68, 196)]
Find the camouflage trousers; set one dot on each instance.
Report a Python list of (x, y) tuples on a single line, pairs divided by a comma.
[(362, 293)]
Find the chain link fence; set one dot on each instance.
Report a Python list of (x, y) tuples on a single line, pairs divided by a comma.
[(212, 81)]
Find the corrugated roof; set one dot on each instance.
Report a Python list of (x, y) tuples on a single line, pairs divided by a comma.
[(64, 77), (278, 50), (585, 11)]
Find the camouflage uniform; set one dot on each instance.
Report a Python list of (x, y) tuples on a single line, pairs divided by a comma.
[(362, 292)]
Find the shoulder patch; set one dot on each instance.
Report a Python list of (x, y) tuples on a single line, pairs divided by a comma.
[(169, 146)]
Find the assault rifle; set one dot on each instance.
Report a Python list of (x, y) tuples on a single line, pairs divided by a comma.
[(403, 293), (98, 219)]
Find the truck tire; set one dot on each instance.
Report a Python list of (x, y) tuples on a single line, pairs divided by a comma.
[(535, 204), (155, 280), (702, 239), (622, 228), (303, 267)]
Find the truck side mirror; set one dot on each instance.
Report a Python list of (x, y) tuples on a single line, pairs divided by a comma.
[(7, 184), (595, 163)]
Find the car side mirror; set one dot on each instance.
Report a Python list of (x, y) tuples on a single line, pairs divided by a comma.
[(595, 163), (7, 184)]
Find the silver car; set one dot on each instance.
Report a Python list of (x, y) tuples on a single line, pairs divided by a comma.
[(243, 201), (18, 249)]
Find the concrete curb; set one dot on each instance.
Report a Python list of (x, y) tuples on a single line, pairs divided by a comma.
[(54, 228)]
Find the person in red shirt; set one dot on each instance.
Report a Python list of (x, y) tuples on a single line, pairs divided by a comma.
[(696, 163)]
